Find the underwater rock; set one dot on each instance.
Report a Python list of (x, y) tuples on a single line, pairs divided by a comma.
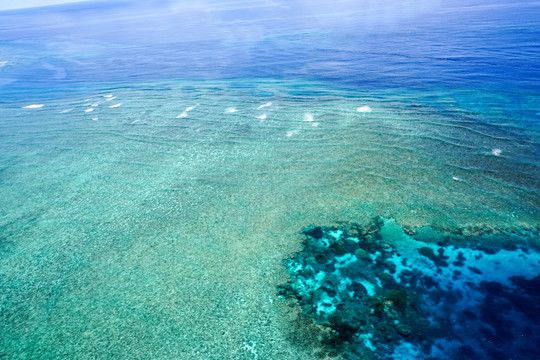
[(438, 260), (384, 291)]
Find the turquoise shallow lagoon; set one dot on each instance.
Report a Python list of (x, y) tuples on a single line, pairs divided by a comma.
[(156, 225)]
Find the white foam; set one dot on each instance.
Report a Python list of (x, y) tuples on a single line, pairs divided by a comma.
[(496, 152), (3, 63), (66, 110), (115, 106), (315, 124), (95, 119), (364, 109), (230, 110), (291, 133), (189, 108), (262, 117), (110, 98), (89, 110), (182, 115), (33, 106), (95, 105), (308, 117), (264, 105), (455, 178)]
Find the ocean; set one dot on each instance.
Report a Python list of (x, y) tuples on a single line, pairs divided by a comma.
[(270, 180)]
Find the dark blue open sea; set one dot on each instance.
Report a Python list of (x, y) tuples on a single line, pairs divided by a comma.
[(270, 179)]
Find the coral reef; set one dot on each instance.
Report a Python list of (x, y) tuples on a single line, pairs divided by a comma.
[(386, 294)]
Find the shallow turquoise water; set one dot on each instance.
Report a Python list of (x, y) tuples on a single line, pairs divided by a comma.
[(139, 231)]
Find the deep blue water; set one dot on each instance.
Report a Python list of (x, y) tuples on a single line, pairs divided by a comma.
[(365, 45)]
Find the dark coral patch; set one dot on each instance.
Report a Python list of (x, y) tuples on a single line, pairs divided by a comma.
[(440, 301)]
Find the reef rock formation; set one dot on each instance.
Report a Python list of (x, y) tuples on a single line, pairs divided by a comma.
[(421, 294)]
